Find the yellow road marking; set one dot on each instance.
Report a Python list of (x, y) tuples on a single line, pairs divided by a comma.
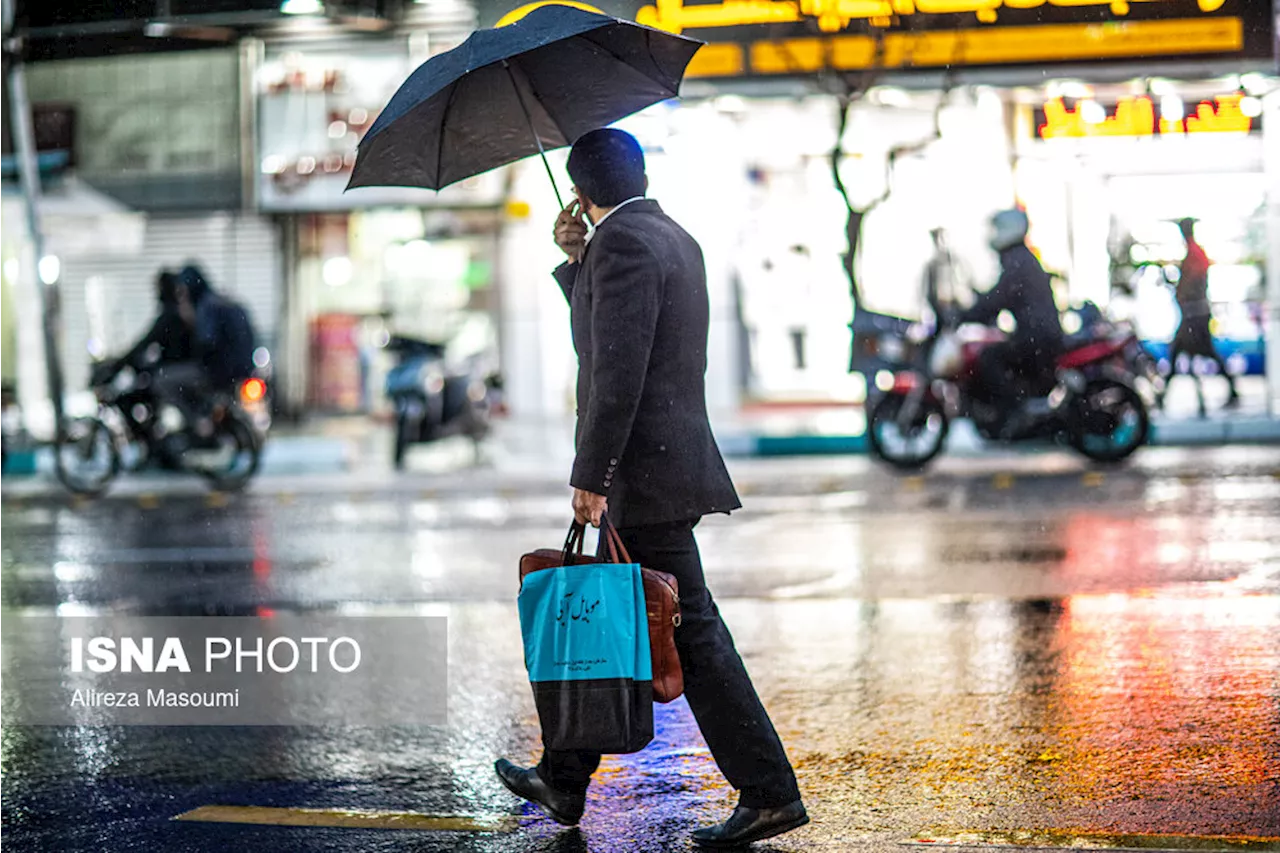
[(148, 501), (351, 818), (1064, 838), (428, 494), (912, 484), (287, 498), (215, 500), (1002, 481), (1093, 479)]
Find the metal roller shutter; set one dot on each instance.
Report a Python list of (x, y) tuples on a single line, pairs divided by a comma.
[(108, 300)]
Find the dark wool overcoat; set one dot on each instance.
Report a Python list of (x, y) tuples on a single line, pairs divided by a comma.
[(639, 313)]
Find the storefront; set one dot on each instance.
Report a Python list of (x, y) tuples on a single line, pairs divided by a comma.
[(743, 161), (1107, 173), (376, 262)]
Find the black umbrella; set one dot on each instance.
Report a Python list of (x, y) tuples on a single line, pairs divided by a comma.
[(508, 92)]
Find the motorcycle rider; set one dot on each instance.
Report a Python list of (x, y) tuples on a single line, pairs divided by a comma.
[(163, 357), (224, 339), (1023, 290), (168, 340), (221, 349)]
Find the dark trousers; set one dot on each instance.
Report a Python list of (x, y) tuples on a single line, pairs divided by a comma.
[(723, 701), (1195, 339), (1008, 370)]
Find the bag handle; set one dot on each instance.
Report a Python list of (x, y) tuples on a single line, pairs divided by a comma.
[(574, 541), (617, 550)]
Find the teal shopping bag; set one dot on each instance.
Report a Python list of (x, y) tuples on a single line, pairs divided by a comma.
[(586, 646)]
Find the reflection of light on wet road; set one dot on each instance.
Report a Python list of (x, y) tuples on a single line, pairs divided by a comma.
[(1155, 690), (349, 818)]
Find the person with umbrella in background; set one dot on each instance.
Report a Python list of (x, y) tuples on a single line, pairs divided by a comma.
[(636, 286)]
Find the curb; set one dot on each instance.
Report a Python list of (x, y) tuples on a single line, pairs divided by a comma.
[(291, 455), (300, 455), (1177, 433)]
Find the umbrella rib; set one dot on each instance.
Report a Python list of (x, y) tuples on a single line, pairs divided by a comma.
[(649, 49), (444, 124)]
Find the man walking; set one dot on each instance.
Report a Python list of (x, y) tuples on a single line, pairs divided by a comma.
[(636, 286), (1194, 337)]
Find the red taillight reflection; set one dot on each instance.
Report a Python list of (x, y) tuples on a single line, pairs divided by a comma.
[(253, 390)]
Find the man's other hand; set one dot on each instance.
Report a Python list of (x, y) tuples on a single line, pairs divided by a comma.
[(571, 231), (588, 507)]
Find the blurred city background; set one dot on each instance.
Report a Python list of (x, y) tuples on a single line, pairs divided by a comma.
[(223, 133)]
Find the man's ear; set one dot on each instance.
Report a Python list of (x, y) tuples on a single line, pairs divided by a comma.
[(646, 184)]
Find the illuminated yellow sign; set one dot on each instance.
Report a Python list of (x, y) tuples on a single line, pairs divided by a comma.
[(974, 46), (1137, 117), (834, 15)]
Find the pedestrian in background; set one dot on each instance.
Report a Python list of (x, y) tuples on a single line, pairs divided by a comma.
[(637, 291), (1194, 336)]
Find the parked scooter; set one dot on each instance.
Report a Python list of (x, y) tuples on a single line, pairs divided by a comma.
[(435, 400), (1090, 404), (135, 428)]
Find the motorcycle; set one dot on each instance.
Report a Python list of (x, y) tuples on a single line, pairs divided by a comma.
[(1090, 403), (434, 400), (1141, 366), (135, 427)]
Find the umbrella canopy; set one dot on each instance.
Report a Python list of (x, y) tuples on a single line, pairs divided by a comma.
[(512, 91)]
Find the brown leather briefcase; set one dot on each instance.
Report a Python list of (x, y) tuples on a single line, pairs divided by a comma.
[(661, 601)]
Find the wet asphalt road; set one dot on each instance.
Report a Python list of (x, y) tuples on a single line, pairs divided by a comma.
[(1002, 646)]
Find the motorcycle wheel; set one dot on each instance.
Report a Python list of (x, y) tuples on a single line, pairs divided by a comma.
[(402, 440), (87, 458), (236, 434), (917, 444), (1110, 421)]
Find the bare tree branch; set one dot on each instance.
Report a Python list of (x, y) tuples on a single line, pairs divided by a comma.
[(855, 90)]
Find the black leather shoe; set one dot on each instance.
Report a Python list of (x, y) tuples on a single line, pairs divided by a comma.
[(747, 825), (524, 782)]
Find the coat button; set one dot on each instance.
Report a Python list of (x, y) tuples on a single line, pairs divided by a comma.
[(613, 461)]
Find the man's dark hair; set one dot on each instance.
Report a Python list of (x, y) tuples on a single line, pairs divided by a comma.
[(607, 166), (1187, 226)]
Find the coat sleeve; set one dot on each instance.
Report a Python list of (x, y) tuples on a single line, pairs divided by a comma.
[(566, 274), (135, 357), (989, 305), (626, 298)]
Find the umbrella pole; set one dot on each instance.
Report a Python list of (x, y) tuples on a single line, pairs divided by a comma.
[(537, 139)]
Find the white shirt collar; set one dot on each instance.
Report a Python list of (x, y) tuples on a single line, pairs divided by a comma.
[(612, 211)]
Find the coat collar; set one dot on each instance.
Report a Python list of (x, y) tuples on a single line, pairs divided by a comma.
[(644, 205), (623, 215)]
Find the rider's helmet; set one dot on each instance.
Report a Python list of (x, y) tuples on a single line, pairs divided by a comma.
[(1008, 229)]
